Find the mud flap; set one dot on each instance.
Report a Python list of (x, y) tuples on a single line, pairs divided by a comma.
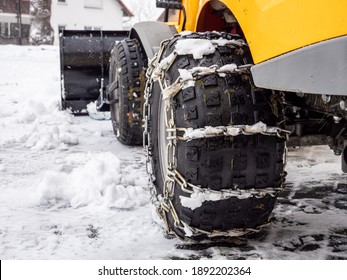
[(84, 64)]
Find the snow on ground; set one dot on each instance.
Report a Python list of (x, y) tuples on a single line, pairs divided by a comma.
[(69, 190)]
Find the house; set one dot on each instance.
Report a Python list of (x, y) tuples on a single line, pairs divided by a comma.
[(87, 15), (10, 21)]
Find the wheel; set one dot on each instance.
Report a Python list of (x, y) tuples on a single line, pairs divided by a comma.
[(207, 182), (127, 67)]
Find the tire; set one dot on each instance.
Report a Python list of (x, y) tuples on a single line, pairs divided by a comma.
[(127, 66), (242, 162)]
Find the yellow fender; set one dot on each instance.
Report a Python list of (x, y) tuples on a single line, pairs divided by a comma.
[(275, 27), (296, 45)]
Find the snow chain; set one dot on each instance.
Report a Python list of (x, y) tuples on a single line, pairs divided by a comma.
[(156, 72)]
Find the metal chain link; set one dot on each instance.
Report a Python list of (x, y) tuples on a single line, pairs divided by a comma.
[(163, 203)]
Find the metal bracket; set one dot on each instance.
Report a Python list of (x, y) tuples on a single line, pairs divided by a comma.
[(109, 89), (112, 87)]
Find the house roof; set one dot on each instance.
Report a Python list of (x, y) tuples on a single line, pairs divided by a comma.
[(126, 10)]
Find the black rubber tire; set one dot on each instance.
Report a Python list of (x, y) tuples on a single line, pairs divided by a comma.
[(241, 162), (128, 66)]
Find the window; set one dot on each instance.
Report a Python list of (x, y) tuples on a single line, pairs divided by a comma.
[(3, 29), (95, 4), (14, 31), (11, 30), (25, 30)]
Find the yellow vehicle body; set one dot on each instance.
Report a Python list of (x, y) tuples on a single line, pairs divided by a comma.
[(275, 27)]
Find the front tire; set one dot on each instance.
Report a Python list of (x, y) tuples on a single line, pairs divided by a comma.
[(242, 163)]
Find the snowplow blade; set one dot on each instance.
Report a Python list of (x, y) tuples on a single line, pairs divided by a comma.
[(84, 64)]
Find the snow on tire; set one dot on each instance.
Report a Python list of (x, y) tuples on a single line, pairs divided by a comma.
[(214, 186), (127, 66)]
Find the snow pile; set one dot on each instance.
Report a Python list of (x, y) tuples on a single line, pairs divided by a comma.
[(97, 181), (95, 114), (42, 128)]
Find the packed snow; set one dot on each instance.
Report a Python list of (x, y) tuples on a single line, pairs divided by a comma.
[(232, 130), (199, 196), (196, 47), (69, 190)]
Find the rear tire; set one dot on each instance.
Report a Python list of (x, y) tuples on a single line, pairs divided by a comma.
[(242, 162), (127, 66)]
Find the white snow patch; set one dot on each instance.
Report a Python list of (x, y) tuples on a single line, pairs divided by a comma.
[(188, 74), (167, 61), (119, 196), (95, 114), (163, 66), (187, 229), (196, 47), (192, 133), (185, 75), (256, 128), (197, 198), (230, 43), (232, 130), (228, 68), (171, 91)]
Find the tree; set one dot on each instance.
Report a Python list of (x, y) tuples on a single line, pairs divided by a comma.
[(41, 31), (143, 10)]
